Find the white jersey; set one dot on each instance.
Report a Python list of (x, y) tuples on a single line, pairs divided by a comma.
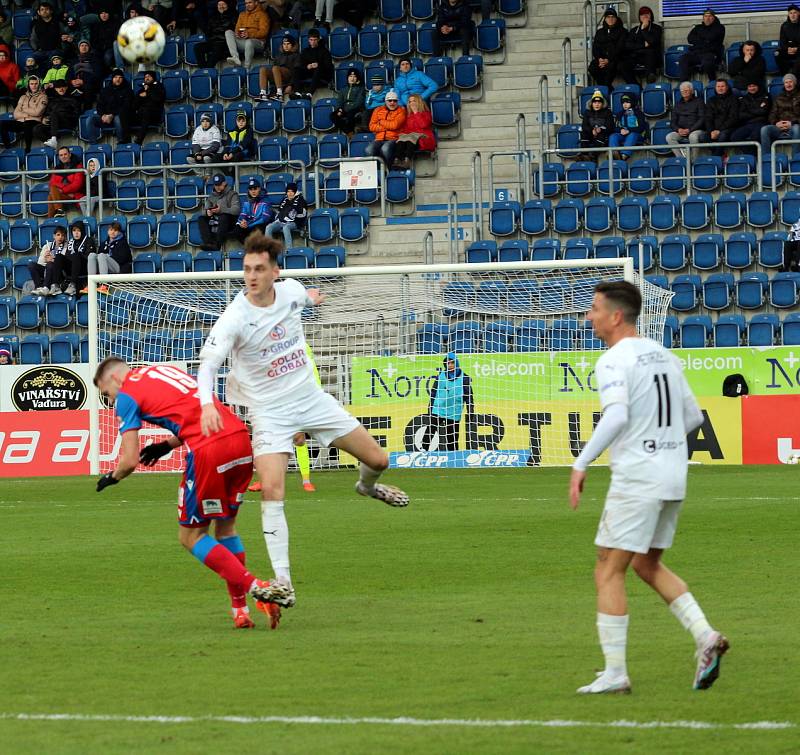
[(269, 362), (649, 458)]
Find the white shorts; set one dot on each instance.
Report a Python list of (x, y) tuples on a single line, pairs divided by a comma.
[(320, 415), (637, 524)]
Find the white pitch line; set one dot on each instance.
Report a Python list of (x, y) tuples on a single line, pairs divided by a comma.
[(400, 721)]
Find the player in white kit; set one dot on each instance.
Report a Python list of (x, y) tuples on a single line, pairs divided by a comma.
[(648, 408), (272, 376)]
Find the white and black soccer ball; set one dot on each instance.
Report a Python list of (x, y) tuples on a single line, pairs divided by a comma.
[(141, 40)]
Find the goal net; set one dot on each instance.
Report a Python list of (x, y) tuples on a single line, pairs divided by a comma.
[(521, 390)]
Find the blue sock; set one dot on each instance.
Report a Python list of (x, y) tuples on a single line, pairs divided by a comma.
[(233, 544)]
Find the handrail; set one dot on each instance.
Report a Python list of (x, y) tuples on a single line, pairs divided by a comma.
[(26, 182), (524, 180), (588, 33), (522, 137), (773, 149), (427, 248), (544, 108), (566, 75), (477, 196), (452, 226)]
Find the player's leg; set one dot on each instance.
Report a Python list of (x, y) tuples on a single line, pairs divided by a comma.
[(226, 536), (303, 461)]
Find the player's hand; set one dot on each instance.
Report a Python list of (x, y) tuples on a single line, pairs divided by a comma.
[(576, 481), (149, 455), (106, 480), (210, 421), (316, 296)]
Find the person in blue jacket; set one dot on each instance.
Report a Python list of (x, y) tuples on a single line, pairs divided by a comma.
[(451, 396), (375, 97), (409, 80), (256, 212), (631, 127)]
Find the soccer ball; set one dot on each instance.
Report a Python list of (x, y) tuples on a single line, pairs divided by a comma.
[(793, 459), (141, 40)]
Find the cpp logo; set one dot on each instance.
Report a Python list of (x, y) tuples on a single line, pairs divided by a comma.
[(649, 446), (421, 460), (277, 333), (493, 459)]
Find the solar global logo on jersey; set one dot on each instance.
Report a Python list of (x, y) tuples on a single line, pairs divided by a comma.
[(48, 389)]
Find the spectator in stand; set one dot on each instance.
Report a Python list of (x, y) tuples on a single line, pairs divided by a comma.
[(5, 355), (43, 270), (63, 111), (280, 72), (6, 29), (327, 6), (57, 70), (416, 134), (161, 10), (631, 127), (453, 24), (276, 10), (687, 119), (290, 215), (608, 49), (597, 126), (354, 12), (376, 96), (788, 55), (114, 256), (706, 47), (256, 212), (644, 51), (748, 67), (85, 80), (206, 142), (754, 109), (45, 33), (148, 106), (70, 36), (9, 73), (784, 115), (350, 103), (249, 35), (721, 116), (408, 80), (92, 198), (220, 212), (76, 260), (115, 106), (791, 250), (386, 123), (28, 114), (188, 14), (314, 66), (66, 187), (104, 36), (221, 20), (241, 145)]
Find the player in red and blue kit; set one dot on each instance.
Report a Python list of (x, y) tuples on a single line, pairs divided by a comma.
[(218, 469)]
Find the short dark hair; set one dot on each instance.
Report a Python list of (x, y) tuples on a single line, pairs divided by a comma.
[(623, 296), (107, 364), (258, 243), (60, 229), (116, 225)]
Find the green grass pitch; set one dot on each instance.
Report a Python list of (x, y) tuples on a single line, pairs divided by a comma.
[(475, 602)]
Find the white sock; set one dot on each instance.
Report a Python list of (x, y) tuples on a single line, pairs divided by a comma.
[(368, 476), (613, 634), (279, 91), (245, 609), (691, 616), (276, 536), (263, 91)]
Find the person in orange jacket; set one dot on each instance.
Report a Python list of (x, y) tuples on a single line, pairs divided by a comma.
[(386, 123), (249, 35)]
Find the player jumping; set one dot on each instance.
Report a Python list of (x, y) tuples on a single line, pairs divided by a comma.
[(648, 408), (271, 375), (214, 481)]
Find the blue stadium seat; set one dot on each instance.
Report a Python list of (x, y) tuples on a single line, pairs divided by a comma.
[(296, 115), (432, 338), (141, 231), (770, 248), (445, 111), (642, 175), (171, 229), (707, 251), (790, 330), (728, 330), (179, 119), (64, 347), (177, 262), (171, 55), (400, 186), (22, 234), (609, 247), (655, 100), (382, 67), (504, 218), (465, 337), (330, 257), (440, 69), (371, 40), (11, 198), (568, 140), (673, 174), (38, 200), (342, 42), (564, 334), (481, 251), (147, 262), (531, 335), (718, 291), (536, 215), (491, 296), (490, 37), (514, 250), (230, 112), (568, 215), (274, 150), (421, 10), (20, 272), (740, 250), (579, 177), (468, 77), (266, 117), (8, 306), (303, 149), (499, 337), (152, 156), (784, 289), (189, 191), (176, 85), (632, 214), (695, 331), (673, 253), (686, 290), (649, 247), (751, 290), (34, 349), (333, 194), (322, 225), (550, 176), (706, 172), (658, 137), (232, 83), (729, 210), (214, 109), (671, 332), (579, 249), (696, 211), (275, 186), (790, 207), (761, 208), (58, 311), (392, 10), (321, 112), (30, 309), (740, 172), (457, 297), (545, 250), (598, 216), (130, 195), (158, 194), (401, 39), (202, 84), (762, 330), (207, 262), (616, 96), (353, 223)]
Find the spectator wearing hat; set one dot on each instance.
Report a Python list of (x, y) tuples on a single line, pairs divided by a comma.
[(784, 115), (608, 49), (722, 115), (706, 47), (9, 73), (65, 187), (350, 103), (249, 35), (241, 145), (115, 106), (84, 81), (148, 106), (256, 212), (5, 355), (386, 123), (453, 25), (221, 20), (71, 33), (190, 14), (644, 49), (57, 70), (45, 33), (103, 35), (280, 72), (631, 127), (290, 215), (687, 119), (375, 97), (206, 142), (220, 211), (754, 107), (408, 80), (597, 125), (788, 55), (314, 66), (62, 113), (748, 66), (28, 113)]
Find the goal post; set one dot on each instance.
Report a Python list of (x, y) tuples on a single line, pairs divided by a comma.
[(522, 392)]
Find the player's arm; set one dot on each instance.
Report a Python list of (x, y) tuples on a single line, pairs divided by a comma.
[(214, 352), (152, 452), (315, 296), (128, 460)]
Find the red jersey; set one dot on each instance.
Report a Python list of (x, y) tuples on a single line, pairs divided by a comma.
[(166, 396)]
